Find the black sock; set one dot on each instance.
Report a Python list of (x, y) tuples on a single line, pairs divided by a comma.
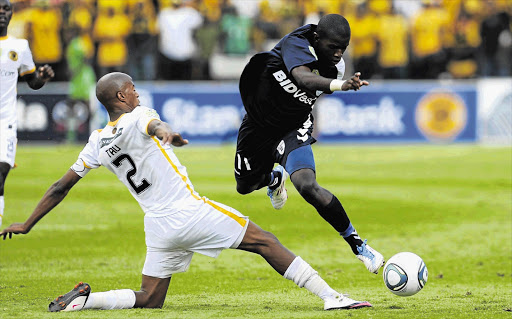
[(335, 215), (354, 240), (275, 179)]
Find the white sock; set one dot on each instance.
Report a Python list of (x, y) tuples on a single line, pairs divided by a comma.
[(302, 274), (113, 299), (2, 205)]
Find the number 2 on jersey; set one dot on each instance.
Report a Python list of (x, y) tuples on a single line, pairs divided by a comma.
[(118, 161)]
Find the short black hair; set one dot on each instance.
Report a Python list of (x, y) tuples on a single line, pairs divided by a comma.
[(333, 24), (108, 86)]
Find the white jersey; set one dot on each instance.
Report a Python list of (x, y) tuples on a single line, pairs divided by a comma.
[(150, 170), (15, 58)]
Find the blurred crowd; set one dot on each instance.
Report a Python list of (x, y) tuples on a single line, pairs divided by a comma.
[(176, 39)]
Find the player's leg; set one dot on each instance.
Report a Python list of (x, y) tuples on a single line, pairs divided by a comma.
[(151, 295), (253, 158), (301, 166), (267, 245), (294, 268), (8, 141), (292, 140), (4, 171), (152, 292)]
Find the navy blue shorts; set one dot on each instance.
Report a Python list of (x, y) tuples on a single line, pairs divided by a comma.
[(258, 149)]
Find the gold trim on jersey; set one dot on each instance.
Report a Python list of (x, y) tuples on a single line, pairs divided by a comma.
[(115, 122), (28, 72), (86, 165), (150, 123), (237, 218), (4, 37)]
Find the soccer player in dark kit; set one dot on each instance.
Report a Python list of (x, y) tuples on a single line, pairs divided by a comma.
[(279, 89)]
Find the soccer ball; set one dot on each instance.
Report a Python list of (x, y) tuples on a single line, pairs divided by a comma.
[(405, 274)]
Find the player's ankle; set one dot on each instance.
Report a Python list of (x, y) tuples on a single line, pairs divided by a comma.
[(354, 241), (275, 180)]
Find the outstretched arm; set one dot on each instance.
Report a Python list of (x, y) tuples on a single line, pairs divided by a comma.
[(53, 196), (311, 81), (164, 133), (39, 78)]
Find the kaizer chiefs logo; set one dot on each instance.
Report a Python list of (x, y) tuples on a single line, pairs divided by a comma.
[(13, 55), (441, 115)]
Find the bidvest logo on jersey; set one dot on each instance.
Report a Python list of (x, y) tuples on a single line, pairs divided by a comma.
[(289, 87), (106, 141)]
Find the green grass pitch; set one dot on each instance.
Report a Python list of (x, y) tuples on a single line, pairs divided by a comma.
[(452, 205)]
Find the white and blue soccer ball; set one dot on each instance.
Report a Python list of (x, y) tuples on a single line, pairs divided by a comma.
[(405, 274)]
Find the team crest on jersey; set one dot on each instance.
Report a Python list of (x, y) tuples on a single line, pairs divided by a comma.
[(152, 113), (106, 141), (315, 71), (13, 55)]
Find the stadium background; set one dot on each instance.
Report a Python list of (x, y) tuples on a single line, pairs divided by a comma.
[(408, 156), (186, 56)]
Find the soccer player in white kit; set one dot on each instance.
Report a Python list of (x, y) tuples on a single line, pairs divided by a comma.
[(178, 222), (15, 59)]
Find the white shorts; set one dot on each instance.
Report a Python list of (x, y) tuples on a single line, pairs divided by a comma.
[(206, 228), (8, 141)]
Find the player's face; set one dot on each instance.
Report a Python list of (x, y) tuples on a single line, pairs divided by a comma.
[(132, 97), (330, 48), (5, 13)]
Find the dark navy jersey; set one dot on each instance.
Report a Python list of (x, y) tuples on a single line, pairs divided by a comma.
[(271, 96)]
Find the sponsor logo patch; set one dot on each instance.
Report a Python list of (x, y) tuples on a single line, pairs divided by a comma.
[(290, 87), (106, 141)]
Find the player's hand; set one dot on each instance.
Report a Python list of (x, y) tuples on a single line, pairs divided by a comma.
[(16, 228), (354, 83), (45, 72), (174, 139)]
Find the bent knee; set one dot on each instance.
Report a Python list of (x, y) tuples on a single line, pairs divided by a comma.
[(148, 300), (267, 239), (308, 188), (243, 189)]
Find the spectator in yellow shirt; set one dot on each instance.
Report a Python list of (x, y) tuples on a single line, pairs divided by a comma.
[(110, 31), (393, 51), (142, 41), (463, 57), (429, 58), (363, 43), (45, 38), (81, 17)]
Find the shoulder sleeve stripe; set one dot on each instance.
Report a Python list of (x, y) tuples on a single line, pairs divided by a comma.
[(147, 126), (28, 72)]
